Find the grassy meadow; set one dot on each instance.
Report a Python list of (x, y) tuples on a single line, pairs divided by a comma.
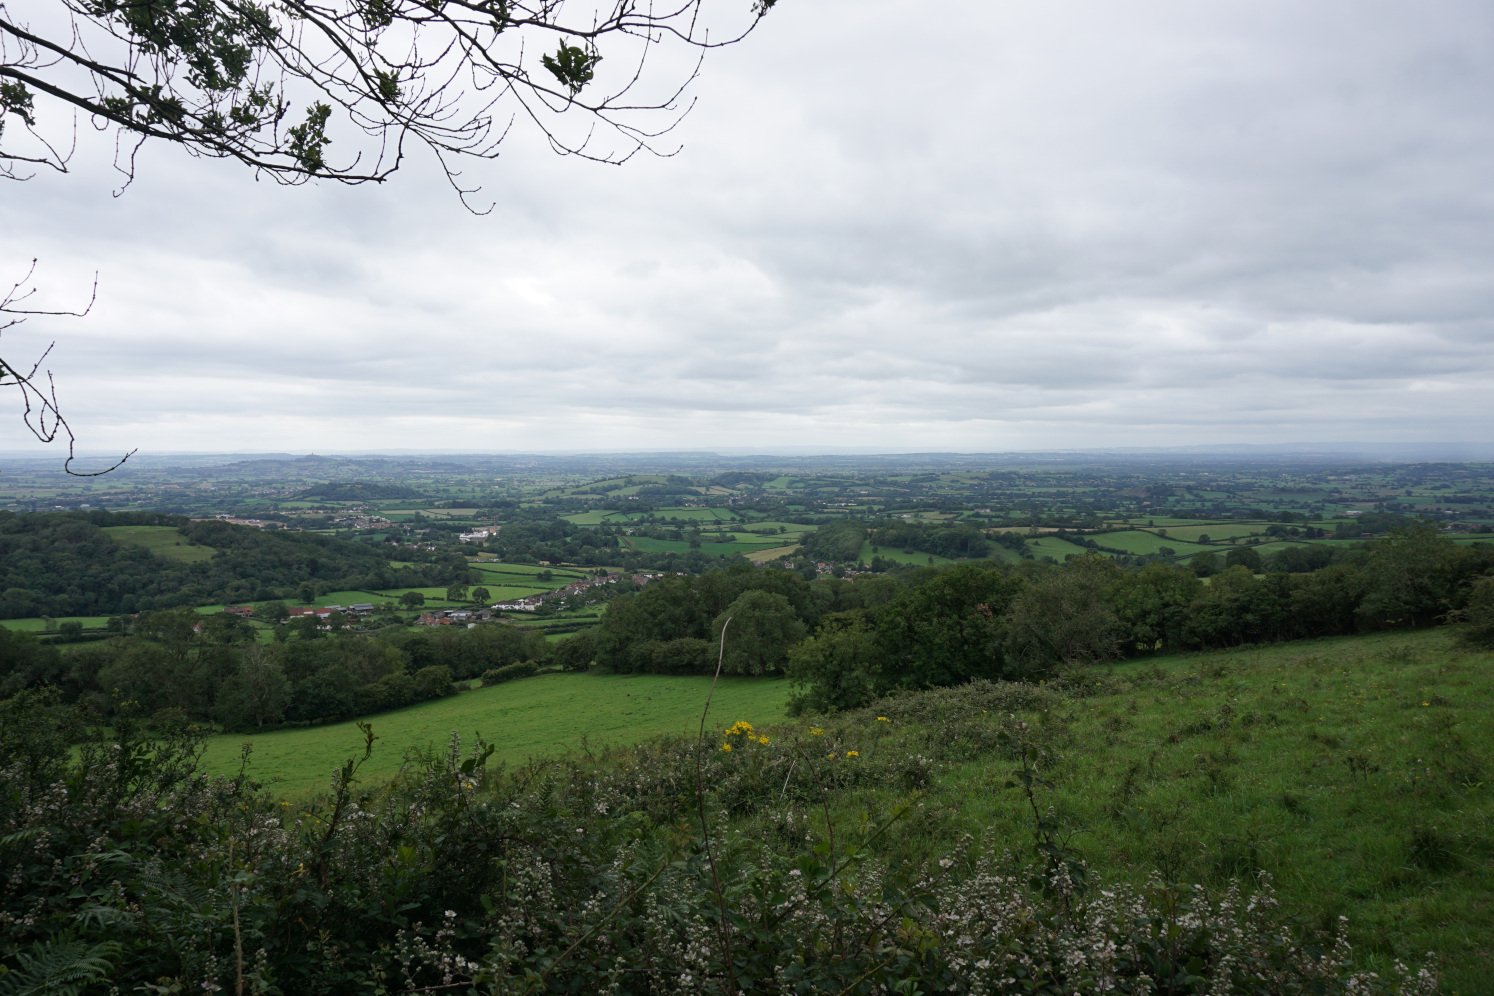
[(537, 717), (1353, 772), (164, 541)]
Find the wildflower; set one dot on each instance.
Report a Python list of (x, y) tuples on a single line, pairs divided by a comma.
[(816, 731), (726, 747), (853, 753), (1425, 704), (883, 719), (763, 740), (740, 726)]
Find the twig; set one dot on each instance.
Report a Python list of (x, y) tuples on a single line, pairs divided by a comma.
[(705, 829)]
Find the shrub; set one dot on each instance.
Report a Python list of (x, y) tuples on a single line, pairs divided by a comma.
[(509, 672), (1477, 614)]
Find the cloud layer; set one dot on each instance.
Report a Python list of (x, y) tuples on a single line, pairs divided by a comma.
[(1002, 226)]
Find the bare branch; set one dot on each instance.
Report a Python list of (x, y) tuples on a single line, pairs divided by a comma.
[(40, 410)]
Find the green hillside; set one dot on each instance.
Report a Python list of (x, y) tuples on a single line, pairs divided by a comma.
[(1302, 818)]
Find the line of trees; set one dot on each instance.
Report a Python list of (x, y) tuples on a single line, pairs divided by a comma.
[(841, 642), (845, 642), (211, 669)]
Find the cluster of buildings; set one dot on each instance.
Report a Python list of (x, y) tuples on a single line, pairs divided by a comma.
[(531, 603), (455, 617)]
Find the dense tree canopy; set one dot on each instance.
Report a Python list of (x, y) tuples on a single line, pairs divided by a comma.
[(71, 564)]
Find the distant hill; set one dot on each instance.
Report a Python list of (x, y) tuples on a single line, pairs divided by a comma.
[(358, 491)]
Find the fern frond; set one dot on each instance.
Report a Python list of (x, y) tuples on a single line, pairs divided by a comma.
[(59, 968)]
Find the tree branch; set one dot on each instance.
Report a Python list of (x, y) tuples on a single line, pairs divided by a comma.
[(41, 412)]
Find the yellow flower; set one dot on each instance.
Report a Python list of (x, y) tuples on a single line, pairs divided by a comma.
[(816, 731), (763, 740), (883, 719), (853, 753), (726, 747)]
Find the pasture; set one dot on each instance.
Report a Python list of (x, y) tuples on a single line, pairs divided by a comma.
[(1143, 543), (899, 556), (166, 542), (1051, 546), (543, 716), (1215, 531), (1353, 771)]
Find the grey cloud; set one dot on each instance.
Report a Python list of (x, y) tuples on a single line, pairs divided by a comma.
[(1066, 224)]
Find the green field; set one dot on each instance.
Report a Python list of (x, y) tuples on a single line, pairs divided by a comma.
[(42, 624), (1215, 531), (1058, 549), (1142, 543), (899, 556), (648, 544), (593, 517), (1354, 771), (166, 542), (561, 576), (763, 555), (533, 717)]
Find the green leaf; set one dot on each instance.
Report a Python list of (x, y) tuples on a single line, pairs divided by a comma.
[(574, 67)]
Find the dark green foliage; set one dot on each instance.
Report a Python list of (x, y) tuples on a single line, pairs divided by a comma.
[(684, 655), (433, 682), (839, 667), (572, 66), (1233, 608), (209, 668), (680, 607), (26, 662), (948, 629), (60, 968), (509, 672), (760, 627), (65, 564), (1477, 614), (957, 542), (576, 652), (1151, 607), (1063, 617), (1411, 578), (835, 542), (1244, 556)]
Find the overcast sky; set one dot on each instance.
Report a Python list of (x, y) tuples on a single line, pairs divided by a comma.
[(976, 226)]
